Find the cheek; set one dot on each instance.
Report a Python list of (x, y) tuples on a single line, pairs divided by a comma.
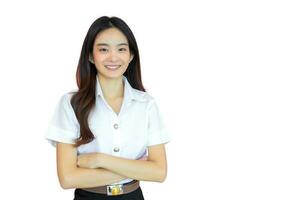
[(99, 57), (125, 57)]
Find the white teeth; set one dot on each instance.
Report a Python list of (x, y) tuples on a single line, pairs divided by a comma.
[(112, 66)]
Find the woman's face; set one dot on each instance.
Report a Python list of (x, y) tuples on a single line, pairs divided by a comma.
[(111, 54)]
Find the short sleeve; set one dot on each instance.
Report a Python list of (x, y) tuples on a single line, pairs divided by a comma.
[(63, 126), (157, 132)]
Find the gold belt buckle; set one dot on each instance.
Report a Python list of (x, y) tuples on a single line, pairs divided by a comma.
[(114, 189)]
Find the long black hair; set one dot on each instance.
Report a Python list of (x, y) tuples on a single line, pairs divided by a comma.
[(83, 100)]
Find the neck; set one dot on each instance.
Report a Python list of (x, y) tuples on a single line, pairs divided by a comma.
[(112, 89)]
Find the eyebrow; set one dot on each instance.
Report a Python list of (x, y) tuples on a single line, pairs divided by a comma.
[(105, 44)]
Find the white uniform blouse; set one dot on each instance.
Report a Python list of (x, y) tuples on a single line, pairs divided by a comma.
[(138, 125)]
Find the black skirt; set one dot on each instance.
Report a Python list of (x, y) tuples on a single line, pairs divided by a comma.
[(80, 194)]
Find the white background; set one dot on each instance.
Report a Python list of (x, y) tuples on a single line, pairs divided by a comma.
[(225, 75)]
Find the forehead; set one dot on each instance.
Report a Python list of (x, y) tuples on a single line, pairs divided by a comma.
[(111, 36)]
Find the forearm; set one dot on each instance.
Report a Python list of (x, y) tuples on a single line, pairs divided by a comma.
[(86, 178), (143, 170)]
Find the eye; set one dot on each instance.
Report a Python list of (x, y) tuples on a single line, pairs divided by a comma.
[(122, 49), (103, 50)]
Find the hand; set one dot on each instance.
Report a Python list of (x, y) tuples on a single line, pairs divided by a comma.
[(89, 160), (143, 157)]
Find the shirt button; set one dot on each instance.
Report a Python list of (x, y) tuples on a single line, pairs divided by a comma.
[(116, 126), (116, 149)]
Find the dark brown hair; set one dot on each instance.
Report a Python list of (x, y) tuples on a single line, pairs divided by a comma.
[(83, 100)]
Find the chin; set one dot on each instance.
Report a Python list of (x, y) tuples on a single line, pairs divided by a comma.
[(112, 75)]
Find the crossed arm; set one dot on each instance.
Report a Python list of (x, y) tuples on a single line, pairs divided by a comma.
[(96, 169)]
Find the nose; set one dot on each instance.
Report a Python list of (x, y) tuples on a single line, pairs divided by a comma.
[(113, 56)]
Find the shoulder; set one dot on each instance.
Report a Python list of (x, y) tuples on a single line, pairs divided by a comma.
[(142, 96), (147, 99), (70, 93), (66, 97)]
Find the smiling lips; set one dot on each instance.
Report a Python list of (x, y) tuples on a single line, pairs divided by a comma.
[(112, 67)]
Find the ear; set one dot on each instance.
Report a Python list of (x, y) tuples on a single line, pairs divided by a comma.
[(91, 59)]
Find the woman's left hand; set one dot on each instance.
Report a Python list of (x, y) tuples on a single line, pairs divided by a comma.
[(89, 160)]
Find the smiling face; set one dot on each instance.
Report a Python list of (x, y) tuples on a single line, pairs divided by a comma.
[(111, 54)]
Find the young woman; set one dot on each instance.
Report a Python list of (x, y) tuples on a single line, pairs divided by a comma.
[(108, 134)]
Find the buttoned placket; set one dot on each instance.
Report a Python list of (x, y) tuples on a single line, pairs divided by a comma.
[(116, 149), (115, 125)]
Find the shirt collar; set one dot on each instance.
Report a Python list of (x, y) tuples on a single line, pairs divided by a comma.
[(129, 93)]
